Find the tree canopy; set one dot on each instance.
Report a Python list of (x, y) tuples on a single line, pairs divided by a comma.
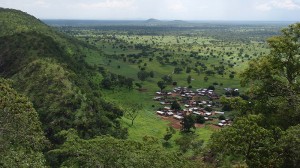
[(274, 79), (247, 140), (162, 85), (21, 136), (110, 152), (267, 134)]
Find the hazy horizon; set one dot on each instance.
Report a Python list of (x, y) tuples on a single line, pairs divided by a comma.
[(145, 19), (188, 10)]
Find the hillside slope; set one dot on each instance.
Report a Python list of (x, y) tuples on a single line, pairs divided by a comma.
[(21, 142), (49, 69)]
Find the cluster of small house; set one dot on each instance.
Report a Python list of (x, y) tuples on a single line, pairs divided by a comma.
[(185, 92), (167, 111), (224, 123), (191, 106)]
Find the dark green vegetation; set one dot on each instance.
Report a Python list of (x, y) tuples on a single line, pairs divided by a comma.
[(21, 136), (50, 70), (111, 152), (92, 95), (267, 136)]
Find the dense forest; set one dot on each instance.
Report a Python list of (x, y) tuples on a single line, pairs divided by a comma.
[(55, 110)]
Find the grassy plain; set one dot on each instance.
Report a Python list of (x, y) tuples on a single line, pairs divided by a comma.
[(222, 51), (147, 123), (168, 45)]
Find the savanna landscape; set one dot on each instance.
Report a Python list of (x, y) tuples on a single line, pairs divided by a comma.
[(148, 93)]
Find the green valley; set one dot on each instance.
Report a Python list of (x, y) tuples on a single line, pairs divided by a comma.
[(148, 93)]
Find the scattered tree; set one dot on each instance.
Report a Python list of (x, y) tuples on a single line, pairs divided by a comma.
[(175, 106), (188, 122), (168, 135), (168, 79), (205, 78), (189, 79), (200, 119), (177, 70), (132, 111), (151, 74), (143, 75), (138, 85), (222, 117), (161, 85), (211, 87)]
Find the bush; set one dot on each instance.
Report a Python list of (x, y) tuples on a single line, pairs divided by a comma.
[(209, 109), (222, 117), (211, 87), (226, 107), (200, 119)]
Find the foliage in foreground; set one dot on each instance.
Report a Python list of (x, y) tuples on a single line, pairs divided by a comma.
[(21, 136), (110, 152), (247, 141), (49, 69), (258, 140), (274, 80)]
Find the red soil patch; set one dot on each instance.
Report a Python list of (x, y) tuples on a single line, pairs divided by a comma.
[(176, 123), (173, 122)]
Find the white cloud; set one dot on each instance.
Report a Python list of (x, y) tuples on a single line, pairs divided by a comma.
[(160, 9), (286, 4), (176, 6), (278, 4), (264, 7), (41, 3), (112, 4)]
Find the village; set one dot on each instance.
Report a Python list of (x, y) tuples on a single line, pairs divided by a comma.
[(201, 103)]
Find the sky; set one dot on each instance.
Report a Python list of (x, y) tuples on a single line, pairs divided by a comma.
[(227, 10)]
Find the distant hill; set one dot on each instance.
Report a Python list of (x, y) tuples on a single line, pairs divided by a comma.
[(152, 20), (149, 22), (49, 68), (172, 23), (179, 22)]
